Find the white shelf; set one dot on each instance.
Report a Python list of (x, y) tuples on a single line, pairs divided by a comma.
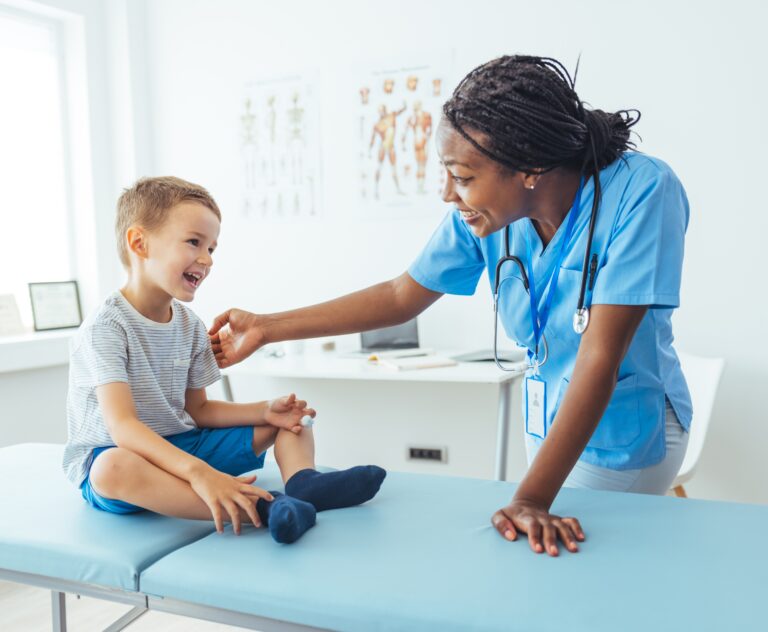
[(36, 350)]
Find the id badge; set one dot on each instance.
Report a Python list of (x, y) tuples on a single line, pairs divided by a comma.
[(536, 407)]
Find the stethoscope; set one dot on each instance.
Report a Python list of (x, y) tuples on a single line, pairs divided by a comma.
[(580, 317)]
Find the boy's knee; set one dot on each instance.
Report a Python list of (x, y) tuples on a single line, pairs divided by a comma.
[(263, 438), (111, 470)]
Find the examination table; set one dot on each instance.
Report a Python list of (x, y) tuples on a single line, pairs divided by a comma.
[(422, 555)]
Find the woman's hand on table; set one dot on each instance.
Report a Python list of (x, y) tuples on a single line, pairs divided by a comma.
[(235, 335), (543, 528)]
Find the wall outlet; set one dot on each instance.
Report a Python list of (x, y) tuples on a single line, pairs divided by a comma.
[(439, 455)]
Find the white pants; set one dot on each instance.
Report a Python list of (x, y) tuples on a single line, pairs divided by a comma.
[(655, 479)]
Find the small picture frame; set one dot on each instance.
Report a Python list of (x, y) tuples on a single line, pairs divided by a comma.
[(55, 305)]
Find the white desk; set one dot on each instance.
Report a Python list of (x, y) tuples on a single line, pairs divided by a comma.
[(328, 366)]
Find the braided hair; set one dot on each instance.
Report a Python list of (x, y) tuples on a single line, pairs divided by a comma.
[(533, 121)]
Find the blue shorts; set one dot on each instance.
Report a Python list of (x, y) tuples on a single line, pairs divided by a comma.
[(228, 450)]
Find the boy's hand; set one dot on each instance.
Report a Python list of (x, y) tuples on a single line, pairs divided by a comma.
[(224, 493), (286, 412), (235, 335)]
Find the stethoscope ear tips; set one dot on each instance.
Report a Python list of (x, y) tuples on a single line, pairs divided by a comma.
[(581, 320)]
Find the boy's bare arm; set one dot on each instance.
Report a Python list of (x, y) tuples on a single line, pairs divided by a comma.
[(127, 431), (283, 412), (209, 413)]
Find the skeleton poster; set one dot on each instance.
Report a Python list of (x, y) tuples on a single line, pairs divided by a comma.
[(279, 140)]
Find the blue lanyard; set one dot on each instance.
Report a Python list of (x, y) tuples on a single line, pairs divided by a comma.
[(539, 318)]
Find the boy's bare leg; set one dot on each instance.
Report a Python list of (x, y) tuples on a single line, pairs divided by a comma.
[(263, 438), (294, 452), (120, 474)]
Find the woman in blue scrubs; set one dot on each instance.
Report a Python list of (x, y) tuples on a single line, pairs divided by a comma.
[(610, 407)]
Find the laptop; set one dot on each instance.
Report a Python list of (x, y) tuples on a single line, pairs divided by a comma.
[(400, 337)]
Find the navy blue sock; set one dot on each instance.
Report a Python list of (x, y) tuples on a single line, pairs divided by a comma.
[(334, 490), (287, 518)]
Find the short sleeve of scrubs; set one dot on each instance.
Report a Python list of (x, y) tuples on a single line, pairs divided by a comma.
[(451, 262), (643, 260)]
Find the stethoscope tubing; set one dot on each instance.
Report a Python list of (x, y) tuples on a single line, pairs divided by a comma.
[(589, 267)]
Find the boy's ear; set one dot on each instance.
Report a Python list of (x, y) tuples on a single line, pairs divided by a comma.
[(137, 241)]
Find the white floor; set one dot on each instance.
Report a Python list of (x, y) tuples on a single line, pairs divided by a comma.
[(28, 609)]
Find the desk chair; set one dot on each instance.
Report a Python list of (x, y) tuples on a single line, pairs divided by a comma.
[(703, 377)]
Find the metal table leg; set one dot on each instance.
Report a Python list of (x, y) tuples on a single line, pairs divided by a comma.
[(502, 432)]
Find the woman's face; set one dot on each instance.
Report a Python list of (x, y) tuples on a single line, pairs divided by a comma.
[(488, 195)]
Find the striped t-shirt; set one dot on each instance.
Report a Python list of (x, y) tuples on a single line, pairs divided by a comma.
[(159, 361)]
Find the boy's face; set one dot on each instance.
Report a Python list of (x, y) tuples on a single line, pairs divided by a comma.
[(179, 253)]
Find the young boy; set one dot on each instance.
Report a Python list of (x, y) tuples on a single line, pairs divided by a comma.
[(142, 434)]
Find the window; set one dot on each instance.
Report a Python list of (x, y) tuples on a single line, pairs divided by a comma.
[(35, 211)]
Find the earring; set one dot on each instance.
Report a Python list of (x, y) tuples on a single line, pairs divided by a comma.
[(531, 187)]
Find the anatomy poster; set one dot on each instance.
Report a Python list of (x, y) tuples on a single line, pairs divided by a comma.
[(280, 145), (399, 109)]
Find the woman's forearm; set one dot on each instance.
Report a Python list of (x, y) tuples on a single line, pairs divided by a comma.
[(601, 352), (382, 305), (575, 422)]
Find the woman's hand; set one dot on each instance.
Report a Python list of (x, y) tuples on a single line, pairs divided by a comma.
[(224, 493), (235, 335), (542, 527), (286, 412)]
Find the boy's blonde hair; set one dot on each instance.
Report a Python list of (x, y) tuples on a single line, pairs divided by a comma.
[(147, 203)]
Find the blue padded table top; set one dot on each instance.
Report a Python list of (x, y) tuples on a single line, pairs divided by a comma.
[(46, 528), (423, 556)]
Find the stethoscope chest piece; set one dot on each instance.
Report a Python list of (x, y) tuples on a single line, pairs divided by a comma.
[(581, 320)]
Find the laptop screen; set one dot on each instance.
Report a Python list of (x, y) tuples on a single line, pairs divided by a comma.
[(405, 336)]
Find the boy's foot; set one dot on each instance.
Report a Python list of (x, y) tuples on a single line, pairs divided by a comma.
[(334, 490), (287, 518)]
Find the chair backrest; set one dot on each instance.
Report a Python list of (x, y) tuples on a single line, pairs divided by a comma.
[(703, 377)]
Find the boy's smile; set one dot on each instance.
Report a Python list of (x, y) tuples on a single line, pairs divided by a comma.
[(180, 251), (174, 259)]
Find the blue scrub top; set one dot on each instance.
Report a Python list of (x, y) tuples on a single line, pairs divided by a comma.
[(639, 238)]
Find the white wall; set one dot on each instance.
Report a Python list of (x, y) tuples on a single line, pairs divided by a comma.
[(695, 69)]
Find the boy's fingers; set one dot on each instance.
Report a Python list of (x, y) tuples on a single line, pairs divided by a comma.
[(260, 493), (250, 491), (311, 412), (234, 515), (216, 513), (249, 507), (297, 429), (300, 403), (246, 479)]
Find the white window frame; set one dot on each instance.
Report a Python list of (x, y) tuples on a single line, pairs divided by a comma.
[(87, 143)]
